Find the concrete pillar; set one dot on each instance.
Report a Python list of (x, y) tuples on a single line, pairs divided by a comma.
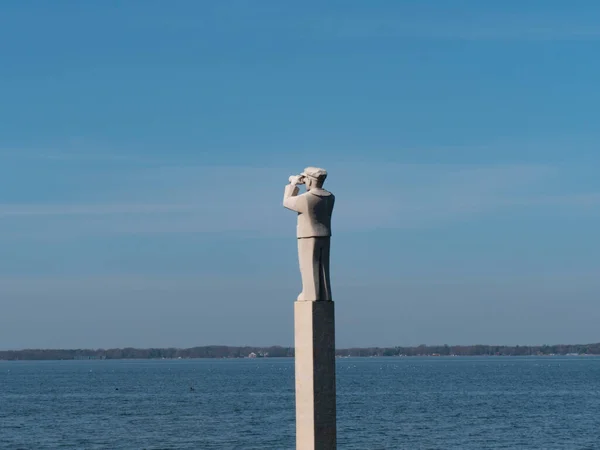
[(315, 375)]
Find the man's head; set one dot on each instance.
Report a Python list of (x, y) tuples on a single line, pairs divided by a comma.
[(314, 177)]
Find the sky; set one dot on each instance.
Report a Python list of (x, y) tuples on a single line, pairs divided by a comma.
[(145, 146)]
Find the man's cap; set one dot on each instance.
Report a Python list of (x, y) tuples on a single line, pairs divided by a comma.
[(315, 172)]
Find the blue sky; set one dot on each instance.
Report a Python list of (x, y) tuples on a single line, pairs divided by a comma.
[(144, 147)]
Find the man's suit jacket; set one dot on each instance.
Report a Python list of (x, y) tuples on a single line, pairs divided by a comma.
[(314, 210)]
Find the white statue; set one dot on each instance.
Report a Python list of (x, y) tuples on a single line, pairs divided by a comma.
[(314, 209)]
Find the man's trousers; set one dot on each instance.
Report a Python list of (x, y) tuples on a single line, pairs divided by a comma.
[(313, 254)]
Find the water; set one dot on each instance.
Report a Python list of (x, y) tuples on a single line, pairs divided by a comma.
[(383, 403)]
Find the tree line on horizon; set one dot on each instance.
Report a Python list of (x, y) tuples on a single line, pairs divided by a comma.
[(222, 351)]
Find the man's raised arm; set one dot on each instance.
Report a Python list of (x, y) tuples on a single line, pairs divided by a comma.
[(290, 196)]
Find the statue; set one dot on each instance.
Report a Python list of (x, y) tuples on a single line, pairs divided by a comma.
[(314, 209)]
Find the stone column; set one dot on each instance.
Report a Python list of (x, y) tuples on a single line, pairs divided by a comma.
[(315, 375)]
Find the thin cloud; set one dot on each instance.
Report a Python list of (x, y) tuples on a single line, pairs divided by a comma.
[(248, 200), (76, 156), (133, 282), (86, 210), (584, 201), (477, 28)]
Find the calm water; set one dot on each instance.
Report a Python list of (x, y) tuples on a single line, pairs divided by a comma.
[(383, 403)]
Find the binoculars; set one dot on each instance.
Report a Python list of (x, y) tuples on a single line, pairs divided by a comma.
[(297, 179)]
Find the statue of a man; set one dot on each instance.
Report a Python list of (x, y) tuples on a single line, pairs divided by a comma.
[(314, 209)]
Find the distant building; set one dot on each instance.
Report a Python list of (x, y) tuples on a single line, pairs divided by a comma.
[(252, 355)]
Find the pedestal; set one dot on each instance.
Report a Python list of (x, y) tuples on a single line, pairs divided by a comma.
[(315, 375)]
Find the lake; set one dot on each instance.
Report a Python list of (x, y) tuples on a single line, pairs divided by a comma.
[(383, 403)]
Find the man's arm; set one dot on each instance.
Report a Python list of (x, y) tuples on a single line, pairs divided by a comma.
[(291, 199)]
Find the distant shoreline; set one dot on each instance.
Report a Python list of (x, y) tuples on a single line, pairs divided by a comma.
[(231, 352)]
